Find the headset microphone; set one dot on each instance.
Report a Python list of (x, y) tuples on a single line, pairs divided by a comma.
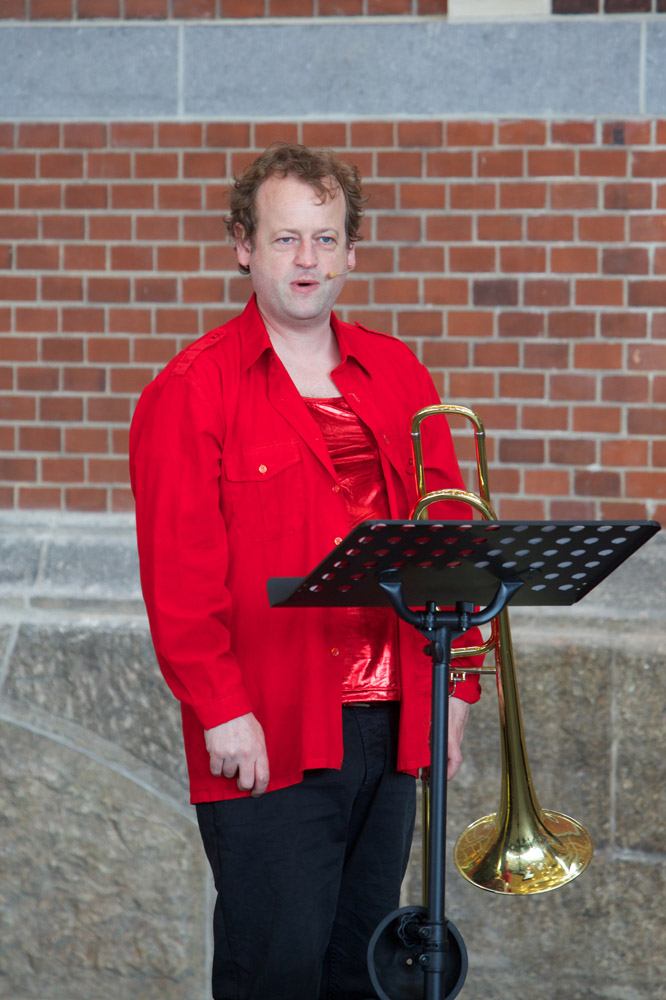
[(336, 274)]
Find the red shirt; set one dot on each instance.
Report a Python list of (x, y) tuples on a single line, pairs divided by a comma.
[(371, 633), (234, 484)]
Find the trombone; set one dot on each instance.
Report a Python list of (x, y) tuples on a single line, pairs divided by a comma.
[(521, 848)]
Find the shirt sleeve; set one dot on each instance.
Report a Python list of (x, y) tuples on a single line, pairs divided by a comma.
[(175, 463)]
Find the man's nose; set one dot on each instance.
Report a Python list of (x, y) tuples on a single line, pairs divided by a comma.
[(306, 255)]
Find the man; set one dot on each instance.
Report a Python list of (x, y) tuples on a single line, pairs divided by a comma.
[(253, 454)]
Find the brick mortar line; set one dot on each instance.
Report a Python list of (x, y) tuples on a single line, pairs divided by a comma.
[(316, 18), (323, 118), (164, 151), (527, 434), (398, 275), (536, 433), (174, 23), (109, 614), (160, 149)]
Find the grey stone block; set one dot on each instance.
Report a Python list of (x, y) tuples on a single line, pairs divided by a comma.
[(5, 632), (640, 955), (655, 69), (532, 946), (102, 887), (576, 942), (88, 72), (640, 678), (413, 68), (330, 69), (105, 681), (565, 697), (95, 567), (19, 562)]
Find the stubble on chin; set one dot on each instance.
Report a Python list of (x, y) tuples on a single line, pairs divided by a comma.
[(317, 304)]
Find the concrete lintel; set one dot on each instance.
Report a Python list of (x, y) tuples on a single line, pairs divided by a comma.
[(91, 72), (345, 68)]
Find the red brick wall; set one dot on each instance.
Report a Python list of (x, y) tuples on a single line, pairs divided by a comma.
[(608, 6), (36, 10), (523, 260), (164, 9)]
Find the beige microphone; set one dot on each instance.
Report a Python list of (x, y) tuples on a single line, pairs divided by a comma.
[(337, 274)]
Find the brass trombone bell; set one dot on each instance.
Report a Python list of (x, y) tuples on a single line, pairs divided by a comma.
[(521, 848)]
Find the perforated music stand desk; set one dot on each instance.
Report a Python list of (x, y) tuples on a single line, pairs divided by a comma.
[(432, 565), (559, 562)]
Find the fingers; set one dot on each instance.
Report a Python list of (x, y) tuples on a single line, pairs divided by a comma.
[(252, 775), (455, 759), (458, 712), (237, 750), (230, 767), (261, 777), (216, 763)]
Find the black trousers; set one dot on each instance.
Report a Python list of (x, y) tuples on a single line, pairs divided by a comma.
[(304, 874)]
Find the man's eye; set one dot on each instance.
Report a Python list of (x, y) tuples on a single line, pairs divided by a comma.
[(327, 239), (285, 239)]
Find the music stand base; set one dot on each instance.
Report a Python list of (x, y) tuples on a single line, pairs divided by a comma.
[(396, 957)]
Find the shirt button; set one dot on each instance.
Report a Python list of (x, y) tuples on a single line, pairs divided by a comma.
[(263, 469), (335, 652), (336, 488), (337, 541)]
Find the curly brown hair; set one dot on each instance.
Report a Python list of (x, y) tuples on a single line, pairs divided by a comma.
[(316, 167)]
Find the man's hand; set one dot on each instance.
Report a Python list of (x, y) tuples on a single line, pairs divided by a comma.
[(238, 748), (458, 712)]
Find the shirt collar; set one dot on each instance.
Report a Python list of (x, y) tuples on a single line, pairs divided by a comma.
[(351, 341), (255, 340)]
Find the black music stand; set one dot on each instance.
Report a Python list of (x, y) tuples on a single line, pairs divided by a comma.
[(414, 565)]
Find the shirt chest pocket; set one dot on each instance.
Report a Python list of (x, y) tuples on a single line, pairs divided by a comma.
[(266, 488)]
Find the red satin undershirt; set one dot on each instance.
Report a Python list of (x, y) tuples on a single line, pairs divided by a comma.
[(370, 644)]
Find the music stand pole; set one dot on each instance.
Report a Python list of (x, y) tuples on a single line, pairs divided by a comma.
[(441, 628), (434, 968)]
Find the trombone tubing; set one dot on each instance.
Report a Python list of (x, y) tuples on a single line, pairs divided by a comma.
[(521, 848), (480, 501), (479, 441)]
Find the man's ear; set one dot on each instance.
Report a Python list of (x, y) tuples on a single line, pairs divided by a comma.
[(242, 245), (351, 256)]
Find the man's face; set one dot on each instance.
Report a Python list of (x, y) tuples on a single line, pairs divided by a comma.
[(299, 240)]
